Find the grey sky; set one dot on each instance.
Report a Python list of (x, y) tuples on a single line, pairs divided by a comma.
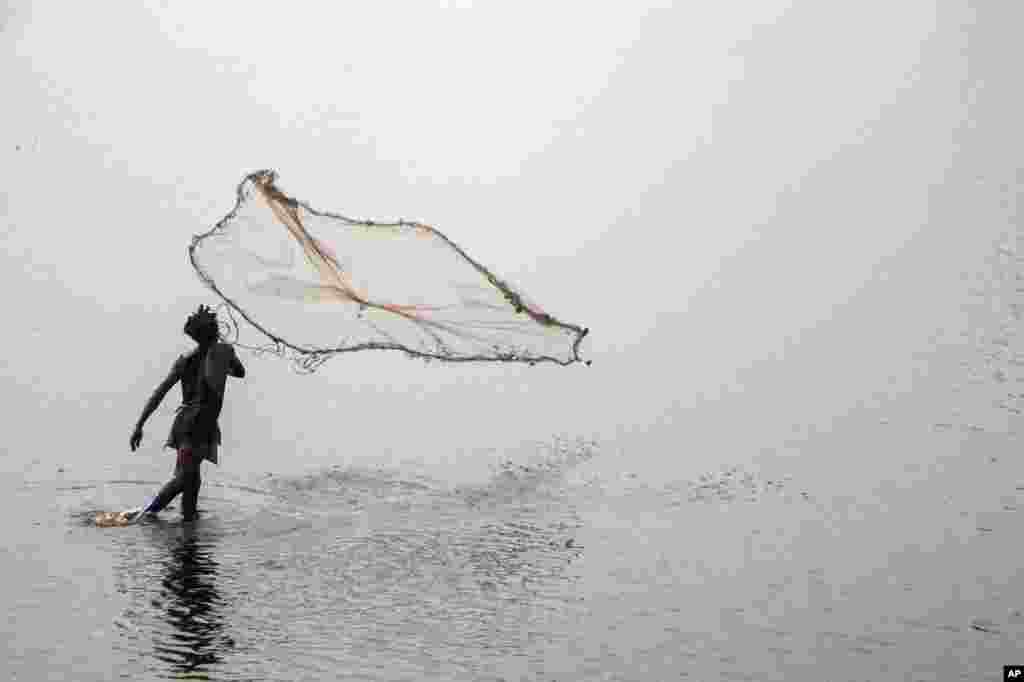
[(726, 193)]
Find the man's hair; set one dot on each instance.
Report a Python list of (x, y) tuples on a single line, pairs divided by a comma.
[(202, 326)]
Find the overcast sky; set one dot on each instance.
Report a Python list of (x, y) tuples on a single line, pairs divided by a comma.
[(755, 199)]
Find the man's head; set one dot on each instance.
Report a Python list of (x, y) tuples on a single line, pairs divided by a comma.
[(201, 326)]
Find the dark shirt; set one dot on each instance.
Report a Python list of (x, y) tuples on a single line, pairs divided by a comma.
[(196, 420)]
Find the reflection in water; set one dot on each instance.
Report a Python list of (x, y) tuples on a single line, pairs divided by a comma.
[(192, 606), (391, 579)]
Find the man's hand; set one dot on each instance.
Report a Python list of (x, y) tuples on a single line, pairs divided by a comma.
[(136, 438), (236, 370)]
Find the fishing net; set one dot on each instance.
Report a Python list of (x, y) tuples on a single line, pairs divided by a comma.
[(316, 284)]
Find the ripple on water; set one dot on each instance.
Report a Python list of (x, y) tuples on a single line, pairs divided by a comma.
[(380, 574), (730, 484)]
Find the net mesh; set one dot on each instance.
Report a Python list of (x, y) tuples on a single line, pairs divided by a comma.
[(315, 284)]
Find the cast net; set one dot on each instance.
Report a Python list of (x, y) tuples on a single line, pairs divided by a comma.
[(315, 284)]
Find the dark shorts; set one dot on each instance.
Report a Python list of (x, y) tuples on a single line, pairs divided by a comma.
[(188, 453), (185, 457)]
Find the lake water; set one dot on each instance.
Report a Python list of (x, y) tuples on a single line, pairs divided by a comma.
[(878, 545)]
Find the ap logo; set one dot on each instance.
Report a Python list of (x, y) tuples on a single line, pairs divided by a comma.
[(1013, 672)]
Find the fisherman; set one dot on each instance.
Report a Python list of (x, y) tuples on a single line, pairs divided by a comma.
[(195, 433)]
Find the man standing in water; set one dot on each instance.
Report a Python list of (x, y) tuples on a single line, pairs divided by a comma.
[(195, 433)]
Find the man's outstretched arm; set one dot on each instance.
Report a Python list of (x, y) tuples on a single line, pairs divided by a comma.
[(154, 402)]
